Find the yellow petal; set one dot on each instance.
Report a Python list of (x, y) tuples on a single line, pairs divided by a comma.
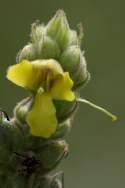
[(61, 89), (32, 74), (22, 74), (42, 118), (49, 65)]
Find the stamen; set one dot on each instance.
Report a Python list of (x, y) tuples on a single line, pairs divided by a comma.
[(48, 82), (114, 118)]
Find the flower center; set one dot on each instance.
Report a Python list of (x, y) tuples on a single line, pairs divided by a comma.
[(48, 80)]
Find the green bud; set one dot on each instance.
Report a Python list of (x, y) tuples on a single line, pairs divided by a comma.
[(28, 52), (70, 59), (52, 154), (62, 129), (73, 38), (50, 181), (80, 85), (73, 62), (82, 76), (37, 32), (64, 109), (22, 108), (58, 29), (48, 48)]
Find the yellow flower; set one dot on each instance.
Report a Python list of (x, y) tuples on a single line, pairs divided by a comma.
[(46, 79)]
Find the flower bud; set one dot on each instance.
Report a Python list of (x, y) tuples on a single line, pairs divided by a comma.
[(37, 32), (70, 59), (73, 62), (50, 181), (64, 109), (82, 76), (58, 29), (62, 129), (52, 154), (73, 38), (22, 109), (48, 48), (28, 52)]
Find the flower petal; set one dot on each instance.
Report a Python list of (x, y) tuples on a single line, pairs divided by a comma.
[(31, 75), (61, 89), (22, 74), (42, 118)]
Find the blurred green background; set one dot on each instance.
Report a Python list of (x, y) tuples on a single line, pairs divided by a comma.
[(97, 145)]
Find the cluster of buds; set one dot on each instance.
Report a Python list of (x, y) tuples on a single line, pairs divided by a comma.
[(52, 67), (52, 63)]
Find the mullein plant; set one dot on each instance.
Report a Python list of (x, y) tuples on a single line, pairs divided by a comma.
[(52, 67)]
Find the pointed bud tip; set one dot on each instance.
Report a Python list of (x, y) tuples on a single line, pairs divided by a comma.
[(60, 12)]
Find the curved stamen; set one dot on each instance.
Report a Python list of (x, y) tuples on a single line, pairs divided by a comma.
[(114, 118)]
